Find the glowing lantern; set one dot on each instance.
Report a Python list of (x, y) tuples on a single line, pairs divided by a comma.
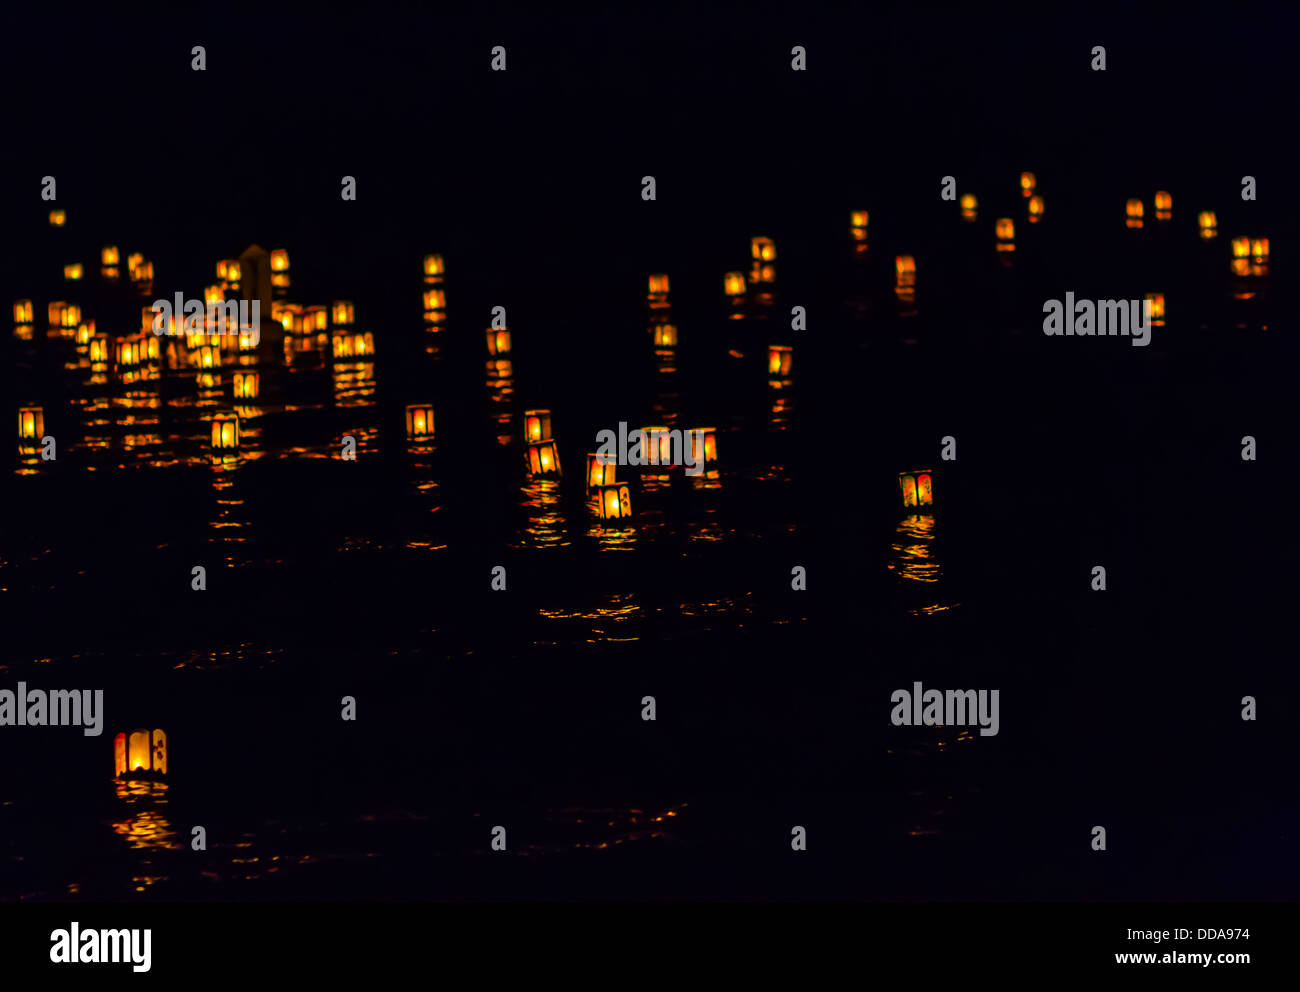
[(129, 352), (71, 315), (31, 422), (353, 345), (58, 218), (968, 205), (665, 335), (1156, 308), (780, 357), (245, 385), (72, 272), (99, 348), (1240, 248), (228, 271), (279, 260), (1133, 212), (917, 488), (85, 332), (615, 501), (343, 313), (704, 446), (209, 356), (600, 469), (315, 319), (141, 755), (658, 296), (225, 430), (762, 249), (858, 224), (433, 268), (498, 341), (735, 284), (435, 305), (109, 255), (56, 308), (1209, 224), (1028, 181), (23, 312), (543, 458), (1259, 249), (1035, 209), (660, 436), (419, 420), (1164, 205), (905, 277), (537, 425), (1006, 233)]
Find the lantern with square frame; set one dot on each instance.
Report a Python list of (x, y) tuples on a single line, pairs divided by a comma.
[(419, 421), (917, 488)]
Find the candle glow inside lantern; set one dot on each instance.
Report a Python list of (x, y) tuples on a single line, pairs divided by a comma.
[(70, 316), (72, 272), (58, 218), (129, 353), (245, 385), (142, 754), (85, 332), (615, 501), (780, 358), (1155, 303), (279, 271), (109, 257), (543, 458), (537, 425), (433, 268), (1164, 205), (1028, 182), (1208, 223), (1005, 229), (905, 278), (601, 469), (435, 305), (762, 249), (353, 345), (858, 220), (1035, 209), (343, 313), (734, 283), (99, 348), (968, 206), (31, 423), (658, 295), (917, 488), (419, 421), (209, 356), (225, 431), (22, 311), (315, 319), (1133, 213), (498, 341), (704, 446), (665, 335), (228, 271), (658, 436)]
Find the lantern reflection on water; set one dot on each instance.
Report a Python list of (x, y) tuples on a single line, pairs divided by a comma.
[(917, 488), (1208, 223), (225, 430), (419, 420), (600, 469), (543, 458), (1133, 212), (537, 425), (498, 341), (614, 501), (141, 755), (31, 423), (858, 220)]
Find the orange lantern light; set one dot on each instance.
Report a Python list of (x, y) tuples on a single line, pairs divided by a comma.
[(99, 348), (1005, 230), (1208, 223), (1035, 209), (543, 458), (665, 335), (343, 313), (1156, 308), (658, 296), (615, 501), (72, 272), (917, 488), (225, 431), (58, 218), (31, 423), (23, 312), (601, 469), (968, 206), (433, 268), (142, 754), (537, 425), (1133, 213), (734, 283), (419, 421), (498, 341), (245, 385), (1164, 205), (780, 358), (1028, 182), (762, 249)]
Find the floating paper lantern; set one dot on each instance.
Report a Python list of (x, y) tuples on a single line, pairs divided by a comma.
[(858, 224), (23, 312), (1133, 212), (209, 356), (279, 260), (543, 458), (353, 344), (419, 420), (917, 488), (1259, 249), (498, 341), (31, 423), (85, 332), (734, 283), (658, 296), (1208, 223), (1028, 182), (129, 352), (225, 431), (343, 313), (315, 319), (537, 425), (109, 255), (968, 205), (615, 501), (1035, 209), (601, 469), (762, 249), (142, 754), (1156, 308), (55, 308), (245, 385), (780, 357), (1164, 205), (99, 348), (58, 218), (70, 316), (658, 444), (72, 272), (704, 445), (665, 335), (1005, 230), (435, 306), (228, 270), (433, 269)]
